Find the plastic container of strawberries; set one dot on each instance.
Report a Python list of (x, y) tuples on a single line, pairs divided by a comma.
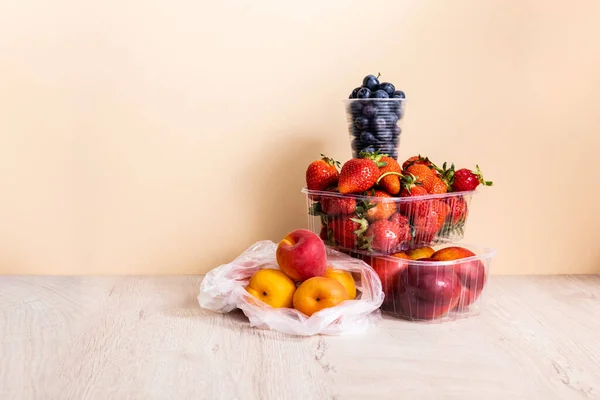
[(434, 291), (386, 225)]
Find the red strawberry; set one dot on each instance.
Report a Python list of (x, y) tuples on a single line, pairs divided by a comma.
[(346, 230), (386, 235), (383, 209), (416, 160), (358, 175), (458, 209), (390, 174), (322, 174), (466, 180), (399, 219), (424, 175), (429, 219), (324, 234), (410, 190), (438, 186), (338, 205)]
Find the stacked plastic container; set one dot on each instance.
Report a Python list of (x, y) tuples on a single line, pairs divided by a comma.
[(426, 275)]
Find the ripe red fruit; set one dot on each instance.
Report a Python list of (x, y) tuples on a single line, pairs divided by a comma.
[(358, 175), (458, 209), (386, 236), (428, 219), (466, 180), (382, 209), (322, 174), (424, 175), (346, 230), (389, 178), (399, 219), (416, 160), (338, 205)]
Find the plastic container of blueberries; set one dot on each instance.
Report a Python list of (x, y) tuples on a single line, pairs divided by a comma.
[(422, 232), (433, 291), (375, 124)]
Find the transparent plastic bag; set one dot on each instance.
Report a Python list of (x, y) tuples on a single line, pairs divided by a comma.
[(223, 290)]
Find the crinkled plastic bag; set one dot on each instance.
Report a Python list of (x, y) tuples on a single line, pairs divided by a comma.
[(223, 290)]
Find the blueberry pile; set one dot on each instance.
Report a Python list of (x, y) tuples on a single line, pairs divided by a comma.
[(373, 116)]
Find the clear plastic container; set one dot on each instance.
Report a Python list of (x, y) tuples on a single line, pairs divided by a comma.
[(375, 124), (386, 225), (433, 290)]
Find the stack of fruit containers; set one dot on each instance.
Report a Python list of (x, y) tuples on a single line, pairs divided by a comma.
[(402, 219)]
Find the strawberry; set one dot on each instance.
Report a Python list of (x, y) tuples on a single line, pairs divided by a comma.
[(381, 209), (429, 219), (386, 236), (358, 175), (424, 174), (438, 186), (411, 189), (399, 219), (438, 207), (416, 160), (390, 174), (322, 174), (458, 209), (467, 180), (338, 205), (347, 230), (324, 234)]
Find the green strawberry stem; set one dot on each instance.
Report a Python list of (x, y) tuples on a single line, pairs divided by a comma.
[(388, 173), (330, 161), (479, 175), (408, 181), (363, 225)]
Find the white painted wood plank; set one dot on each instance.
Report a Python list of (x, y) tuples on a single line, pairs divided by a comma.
[(146, 338)]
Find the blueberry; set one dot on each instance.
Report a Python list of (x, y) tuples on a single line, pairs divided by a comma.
[(393, 106), (392, 119), (363, 93), (368, 138), (396, 131), (371, 82), (356, 144), (385, 135), (369, 110), (379, 94), (388, 88), (382, 107), (379, 124), (361, 122), (355, 131), (356, 107), (387, 148), (399, 94), (353, 94), (368, 149)]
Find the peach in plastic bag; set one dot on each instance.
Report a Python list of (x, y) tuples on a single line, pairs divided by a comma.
[(223, 290)]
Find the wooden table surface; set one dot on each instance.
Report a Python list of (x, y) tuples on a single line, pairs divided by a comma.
[(147, 338)]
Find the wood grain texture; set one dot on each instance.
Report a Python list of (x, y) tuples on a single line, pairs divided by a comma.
[(147, 338)]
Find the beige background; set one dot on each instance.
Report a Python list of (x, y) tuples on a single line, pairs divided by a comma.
[(167, 136)]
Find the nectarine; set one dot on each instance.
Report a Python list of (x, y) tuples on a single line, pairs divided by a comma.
[(389, 271), (301, 255), (345, 278), (471, 273), (318, 293), (273, 287), (428, 291), (421, 252)]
